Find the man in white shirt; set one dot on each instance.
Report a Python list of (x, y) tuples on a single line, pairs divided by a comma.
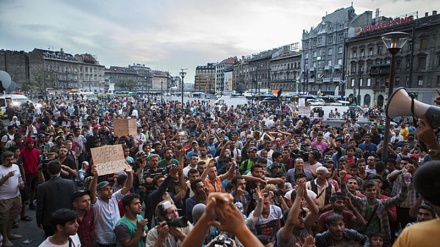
[(10, 199), (105, 207), (65, 222)]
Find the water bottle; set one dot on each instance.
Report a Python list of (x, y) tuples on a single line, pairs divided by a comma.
[(406, 176)]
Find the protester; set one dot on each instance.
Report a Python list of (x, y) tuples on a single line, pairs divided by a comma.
[(246, 151)]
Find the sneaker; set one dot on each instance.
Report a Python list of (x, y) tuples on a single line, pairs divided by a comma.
[(15, 236), (32, 206)]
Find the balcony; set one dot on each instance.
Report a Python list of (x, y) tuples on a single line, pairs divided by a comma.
[(337, 66), (326, 79), (380, 70), (379, 87)]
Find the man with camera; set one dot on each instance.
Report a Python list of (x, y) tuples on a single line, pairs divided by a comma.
[(171, 230)]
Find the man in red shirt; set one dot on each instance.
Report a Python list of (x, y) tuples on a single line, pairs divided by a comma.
[(30, 156), (81, 203)]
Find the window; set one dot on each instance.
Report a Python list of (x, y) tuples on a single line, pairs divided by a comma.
[(379, 50), (438, 80), (360, 82), (370, 51), (423, 43), (307, 55), (420, 81), (330, 39), (330, 51), (407, 82), (422, 62), (340, 37), (340, 61), (362, 52), (314, 54), (352, 82), (319, 41), (369, 82), (314, 64), (354, 53), (340, 49), (353, 68), (397, 81), (398, 63), (329, 62)]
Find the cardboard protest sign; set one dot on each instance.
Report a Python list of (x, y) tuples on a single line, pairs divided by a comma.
[(108, 159), (123, 127)]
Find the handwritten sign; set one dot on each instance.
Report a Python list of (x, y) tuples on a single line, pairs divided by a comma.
[(108, 159), (124, 127)]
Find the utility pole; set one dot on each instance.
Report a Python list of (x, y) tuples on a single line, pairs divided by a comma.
[(182, 74)]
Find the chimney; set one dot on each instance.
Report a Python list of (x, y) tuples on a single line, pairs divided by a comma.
[(434, 12)]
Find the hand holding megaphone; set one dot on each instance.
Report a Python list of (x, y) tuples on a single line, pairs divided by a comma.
[(437, 99), (426, 134), (401, 103)]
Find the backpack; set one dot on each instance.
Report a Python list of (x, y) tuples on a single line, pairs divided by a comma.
[(328, 191)]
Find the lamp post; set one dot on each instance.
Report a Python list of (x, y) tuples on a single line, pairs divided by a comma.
[(394, 41), (182, 74), (161, 91)]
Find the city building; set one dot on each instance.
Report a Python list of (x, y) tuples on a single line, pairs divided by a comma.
[(417, 65), (259, 71), (41, 69), (240, 74), (220, 69), (204, 80), (122, 79), (323, 52), (285, 69)]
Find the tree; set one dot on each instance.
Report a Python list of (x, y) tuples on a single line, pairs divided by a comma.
[(43, 79), (241, 88), (126, 84)]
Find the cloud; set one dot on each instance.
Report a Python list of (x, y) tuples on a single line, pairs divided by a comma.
[(170, 34)]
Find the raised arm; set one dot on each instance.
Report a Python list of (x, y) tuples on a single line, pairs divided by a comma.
[(292, 217), (129, 182), (93, 184)]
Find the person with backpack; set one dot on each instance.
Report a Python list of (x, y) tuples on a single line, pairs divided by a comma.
[(322, 188)]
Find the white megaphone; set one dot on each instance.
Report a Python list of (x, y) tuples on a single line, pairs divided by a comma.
[(402, 104)]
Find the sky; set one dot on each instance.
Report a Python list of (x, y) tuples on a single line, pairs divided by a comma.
[(171, 35)]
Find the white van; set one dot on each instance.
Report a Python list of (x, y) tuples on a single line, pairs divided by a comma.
[(16, 99)]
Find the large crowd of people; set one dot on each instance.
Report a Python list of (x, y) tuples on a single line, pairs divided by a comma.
[(204, 175)]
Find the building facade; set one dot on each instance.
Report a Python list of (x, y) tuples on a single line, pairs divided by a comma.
[(41, 69), (204, 80), (285, 71), (220, 69), (417, 65), (323, 51)]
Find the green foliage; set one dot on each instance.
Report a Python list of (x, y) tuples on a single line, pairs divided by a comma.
[(128, 85)]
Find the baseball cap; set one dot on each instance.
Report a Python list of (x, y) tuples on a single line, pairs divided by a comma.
[(140, 154), (80, 193), (252, 149), (414, 156), (102, 185)]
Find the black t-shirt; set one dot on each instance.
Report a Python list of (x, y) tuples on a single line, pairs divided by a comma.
[(70, 163)]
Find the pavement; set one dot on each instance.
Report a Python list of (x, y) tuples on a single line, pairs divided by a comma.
[(29, 230)]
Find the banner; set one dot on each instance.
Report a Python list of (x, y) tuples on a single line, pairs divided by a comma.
[(123, 127), (108, 159)]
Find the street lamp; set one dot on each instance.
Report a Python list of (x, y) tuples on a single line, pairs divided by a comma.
[(182, 74), (161, 91), (394, 41)]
